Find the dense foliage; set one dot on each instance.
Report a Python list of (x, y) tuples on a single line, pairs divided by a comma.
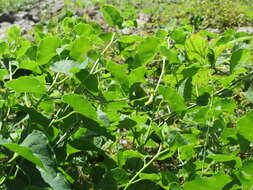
[(223, 13), (86, 107), (215, 14)]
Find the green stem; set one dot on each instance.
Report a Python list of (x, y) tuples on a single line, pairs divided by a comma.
[(64, 117), (102, 53), (144, 167), (158, 83), (49, 90), (10, 71)]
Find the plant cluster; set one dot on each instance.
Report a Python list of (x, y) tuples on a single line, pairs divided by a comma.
[(222, 13), (6, 5), (84, 108), (218, 14)]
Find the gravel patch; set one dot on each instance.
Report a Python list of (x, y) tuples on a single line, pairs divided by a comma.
[(27, 18)]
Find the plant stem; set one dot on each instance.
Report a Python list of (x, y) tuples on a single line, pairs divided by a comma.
[(102, 53), (64, 117), (10, 71), (158, 83), (49, 90), (144, 167)]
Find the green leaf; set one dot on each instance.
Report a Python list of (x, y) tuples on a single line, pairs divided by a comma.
[(80, 47), (152, 176), (36, 188), (4, 74), (239, 57), (67, 67), (245, 126), (14, 32), (35, 116), (216, 182), (47, 106), (146, 51), (245, 175), (47, 49), (129, 39), (249, 94), (196, 47), (203, 100), (88, 80), (201, 78), (137, 75), (96, 127), (226, 158), (112, 16), (123, 156), (178, 35), (173, 98), (39, 145), (171, 55), (3, 47), (30, 65), (219, 49), (248, 167), (25, 152), (83, 29), (25, 45), (120, 175), (81, 105), (187, 152), (26, 84), (119, 72), (224, 105)]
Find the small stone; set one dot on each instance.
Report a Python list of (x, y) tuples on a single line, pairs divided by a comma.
[(7, 17), (245, 29)]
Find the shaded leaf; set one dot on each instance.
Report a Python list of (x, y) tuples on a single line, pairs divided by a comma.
[(39, 145), (25, 152), (245, 126), (239, 57), (88, 80), (173, 98)]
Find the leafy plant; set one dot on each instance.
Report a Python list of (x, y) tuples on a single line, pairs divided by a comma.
[(6, 5), (222, 13), (87, 108)]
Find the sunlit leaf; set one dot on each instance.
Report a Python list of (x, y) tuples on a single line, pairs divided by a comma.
[(26, 84), (112, 15), (81, 105)]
